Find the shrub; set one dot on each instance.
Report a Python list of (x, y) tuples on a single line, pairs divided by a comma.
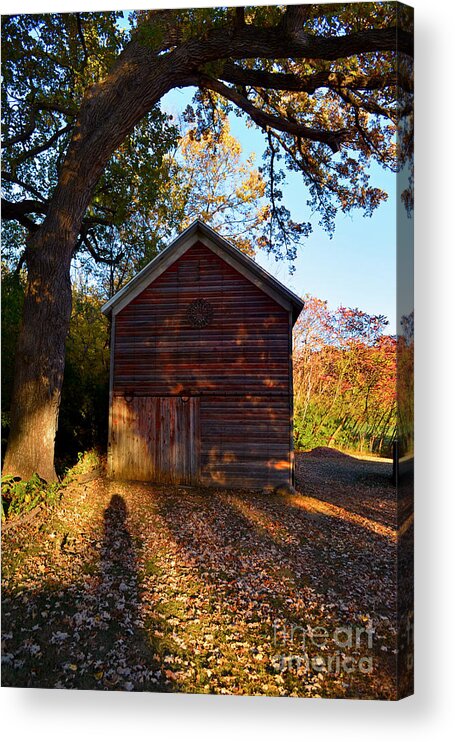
[(20, 496)]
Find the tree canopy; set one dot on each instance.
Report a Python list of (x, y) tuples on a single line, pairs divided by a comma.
[(324, 116), (345, 375), (50, 61)]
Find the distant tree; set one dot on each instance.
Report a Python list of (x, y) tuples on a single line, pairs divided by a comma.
[(83, 418), (405, 385), (344, 378), (12, 292), (203, 177), (216, 186)]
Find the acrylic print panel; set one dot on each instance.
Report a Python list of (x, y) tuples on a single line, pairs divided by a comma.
[(208, 357)]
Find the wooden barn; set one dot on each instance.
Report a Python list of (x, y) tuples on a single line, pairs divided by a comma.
[(201, 369)]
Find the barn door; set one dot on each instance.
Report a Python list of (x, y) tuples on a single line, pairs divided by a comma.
[(177, 440), (155, 439)]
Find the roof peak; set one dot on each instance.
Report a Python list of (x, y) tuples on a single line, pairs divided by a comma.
[(224, 248)]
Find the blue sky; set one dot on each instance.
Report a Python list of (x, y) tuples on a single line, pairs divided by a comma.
[(357, 267)]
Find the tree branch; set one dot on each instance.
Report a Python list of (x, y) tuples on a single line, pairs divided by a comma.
[(42, 147), (90, 221), (82, 38), (25, 134), (18, 211), (295, 17), (31, 126), (252, 42), (239, 17), (12, 209), (367, 105), (237, 75), (85, 239), (17, 181), (275, 209), (93, 252), (332, 139)]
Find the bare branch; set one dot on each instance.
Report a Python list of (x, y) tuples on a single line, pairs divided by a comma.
[(13, 179)]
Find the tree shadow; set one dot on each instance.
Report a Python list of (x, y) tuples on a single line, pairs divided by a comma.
[(255, 534), (363, 486), (244, 560), (89, 634), (267, 560)]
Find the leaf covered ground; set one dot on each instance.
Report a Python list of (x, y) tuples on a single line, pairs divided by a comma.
[(131, 586)]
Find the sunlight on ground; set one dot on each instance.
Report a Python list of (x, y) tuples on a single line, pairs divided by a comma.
[(313, 505)]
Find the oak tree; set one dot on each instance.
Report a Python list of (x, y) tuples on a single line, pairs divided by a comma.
[(326, 83)]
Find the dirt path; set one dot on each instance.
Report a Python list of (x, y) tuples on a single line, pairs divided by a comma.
[(138, 587)]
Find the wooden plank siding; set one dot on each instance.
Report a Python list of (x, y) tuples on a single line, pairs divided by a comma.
[(237, 368)]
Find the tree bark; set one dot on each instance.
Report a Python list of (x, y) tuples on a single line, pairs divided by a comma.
[(39, 364)]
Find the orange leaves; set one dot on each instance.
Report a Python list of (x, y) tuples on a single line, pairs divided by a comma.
[(344, 378)]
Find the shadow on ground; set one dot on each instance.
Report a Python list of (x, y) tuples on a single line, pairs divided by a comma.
[(364, 485), (193, 590), (88, 635)]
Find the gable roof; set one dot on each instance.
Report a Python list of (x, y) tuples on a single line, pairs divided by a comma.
[(199, 231)]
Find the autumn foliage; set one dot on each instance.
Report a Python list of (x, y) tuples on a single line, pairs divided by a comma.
[(344, 379)]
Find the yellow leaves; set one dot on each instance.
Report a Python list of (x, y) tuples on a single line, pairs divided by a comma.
[(214, 183), (211, 142), (252, 187)]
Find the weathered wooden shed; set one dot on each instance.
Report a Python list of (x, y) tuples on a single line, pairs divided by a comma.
[(201, 369)]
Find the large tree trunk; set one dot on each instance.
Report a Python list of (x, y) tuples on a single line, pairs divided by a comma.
[(39, 365), (108, 113)]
